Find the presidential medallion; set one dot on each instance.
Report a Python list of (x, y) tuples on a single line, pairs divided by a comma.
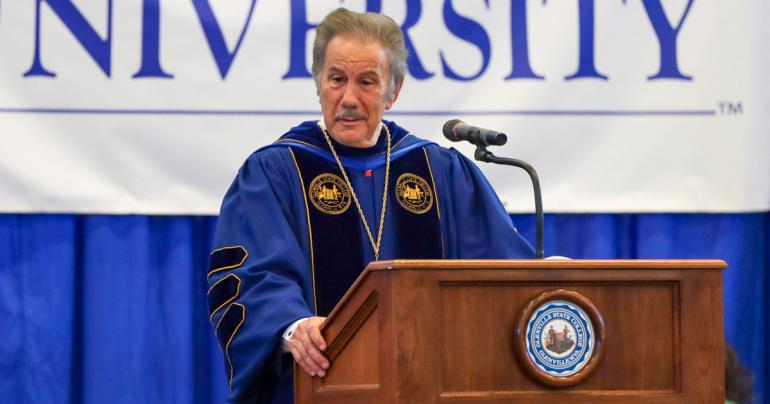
[(413, 193), (329, 194)]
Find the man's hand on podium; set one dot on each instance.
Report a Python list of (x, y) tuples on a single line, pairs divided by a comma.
[(306, 345)]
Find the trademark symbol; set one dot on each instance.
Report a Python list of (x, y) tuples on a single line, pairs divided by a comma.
[(730, 108)]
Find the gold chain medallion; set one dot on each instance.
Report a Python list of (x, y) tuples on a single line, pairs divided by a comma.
[(375, 244), (413, 193), (329, 194)]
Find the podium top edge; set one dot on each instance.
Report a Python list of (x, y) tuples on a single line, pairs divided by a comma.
[(547, 264)]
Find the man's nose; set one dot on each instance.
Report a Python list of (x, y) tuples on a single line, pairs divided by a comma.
[(349, 97)]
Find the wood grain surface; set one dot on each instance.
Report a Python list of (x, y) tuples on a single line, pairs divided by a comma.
[(443, 332)]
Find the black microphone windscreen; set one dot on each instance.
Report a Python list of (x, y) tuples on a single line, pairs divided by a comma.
[(449, 127)]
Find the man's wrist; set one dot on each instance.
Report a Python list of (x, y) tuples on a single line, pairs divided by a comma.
[(287, 334)]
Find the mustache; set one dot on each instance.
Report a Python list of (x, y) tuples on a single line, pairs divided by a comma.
[(349, 114)]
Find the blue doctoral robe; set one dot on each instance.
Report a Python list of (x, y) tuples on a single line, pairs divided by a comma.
[(262, 274)]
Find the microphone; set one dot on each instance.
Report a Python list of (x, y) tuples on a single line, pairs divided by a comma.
[(457, 130)]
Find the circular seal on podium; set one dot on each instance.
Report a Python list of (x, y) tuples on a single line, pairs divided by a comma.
[(559, 338)]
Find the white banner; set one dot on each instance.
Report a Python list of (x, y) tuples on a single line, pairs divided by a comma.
[(622, 106)]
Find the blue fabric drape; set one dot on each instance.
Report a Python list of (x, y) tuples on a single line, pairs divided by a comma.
[(106, 309), (97, 309)]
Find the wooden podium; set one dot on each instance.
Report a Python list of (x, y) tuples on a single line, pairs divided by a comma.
[(454, 332)]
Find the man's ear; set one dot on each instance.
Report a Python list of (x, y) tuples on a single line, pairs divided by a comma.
[(394, 96)]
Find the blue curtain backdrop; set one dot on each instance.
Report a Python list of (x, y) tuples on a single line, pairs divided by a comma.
[(111, 309)]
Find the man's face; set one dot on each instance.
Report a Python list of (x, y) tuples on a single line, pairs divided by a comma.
[(353, 90)]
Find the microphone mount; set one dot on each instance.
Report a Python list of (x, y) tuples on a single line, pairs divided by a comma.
[(484, 155)]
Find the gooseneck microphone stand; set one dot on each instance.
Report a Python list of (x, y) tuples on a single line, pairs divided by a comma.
[(484, 155)]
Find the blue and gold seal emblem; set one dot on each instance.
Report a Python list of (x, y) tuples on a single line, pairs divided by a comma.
[(559, 338), (329, 194), (413, 193)]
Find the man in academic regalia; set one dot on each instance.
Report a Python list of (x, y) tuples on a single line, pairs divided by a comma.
[(306, 214)]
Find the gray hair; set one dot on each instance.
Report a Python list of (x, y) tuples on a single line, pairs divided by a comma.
[(366, 26)]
